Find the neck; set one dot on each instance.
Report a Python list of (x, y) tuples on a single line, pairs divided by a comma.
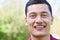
[(47, 37)]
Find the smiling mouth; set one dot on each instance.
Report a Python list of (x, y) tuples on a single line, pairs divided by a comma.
[(39, 27)]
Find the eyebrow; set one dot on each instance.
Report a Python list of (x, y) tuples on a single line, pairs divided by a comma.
[(32, 13), (44, 12)]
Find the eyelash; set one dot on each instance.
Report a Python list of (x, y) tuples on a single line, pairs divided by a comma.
[(44, 15), (33, 16)]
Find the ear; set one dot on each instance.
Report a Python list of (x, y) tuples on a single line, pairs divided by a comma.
[(26, 21), (52, 19)]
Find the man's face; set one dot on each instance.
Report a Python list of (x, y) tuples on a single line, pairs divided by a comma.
[(38, 19)]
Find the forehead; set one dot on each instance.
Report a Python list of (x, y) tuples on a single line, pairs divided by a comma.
[(38, 8)]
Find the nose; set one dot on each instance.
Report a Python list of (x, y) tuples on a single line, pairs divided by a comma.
[(39, 20)]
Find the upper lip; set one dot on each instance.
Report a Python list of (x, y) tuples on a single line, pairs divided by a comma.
[(40, 25)]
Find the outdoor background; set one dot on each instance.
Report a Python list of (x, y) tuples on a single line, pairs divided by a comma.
[(12, 21)]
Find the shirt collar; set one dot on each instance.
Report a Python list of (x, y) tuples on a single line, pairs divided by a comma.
[(51, 38)]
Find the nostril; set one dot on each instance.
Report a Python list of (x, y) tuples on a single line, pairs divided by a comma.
[(39, 21), (34, 26)]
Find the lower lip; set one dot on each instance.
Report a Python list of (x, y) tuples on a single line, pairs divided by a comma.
[(39, 29)]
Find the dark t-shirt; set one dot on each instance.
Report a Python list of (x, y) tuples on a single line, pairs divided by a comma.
[(51, 38)]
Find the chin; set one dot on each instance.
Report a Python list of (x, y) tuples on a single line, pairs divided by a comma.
[(39, 34)]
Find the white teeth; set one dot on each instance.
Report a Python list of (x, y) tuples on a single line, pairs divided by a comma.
[(39, 26)]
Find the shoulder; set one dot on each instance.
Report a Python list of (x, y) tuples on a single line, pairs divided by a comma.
[(56, 36), (58, 39), (53, 38)]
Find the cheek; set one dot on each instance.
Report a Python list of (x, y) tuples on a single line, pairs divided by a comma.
[(48, 24), (47, 21), (30, 22)]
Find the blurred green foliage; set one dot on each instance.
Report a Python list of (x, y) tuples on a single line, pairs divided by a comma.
[(12, 22)]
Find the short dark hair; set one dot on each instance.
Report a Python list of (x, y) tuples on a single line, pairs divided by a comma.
[(30, 2)]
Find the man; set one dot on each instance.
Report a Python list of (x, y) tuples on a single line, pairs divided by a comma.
[(39, 19)]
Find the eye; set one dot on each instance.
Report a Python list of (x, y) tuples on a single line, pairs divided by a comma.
[(32, 16), (44, 15)]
